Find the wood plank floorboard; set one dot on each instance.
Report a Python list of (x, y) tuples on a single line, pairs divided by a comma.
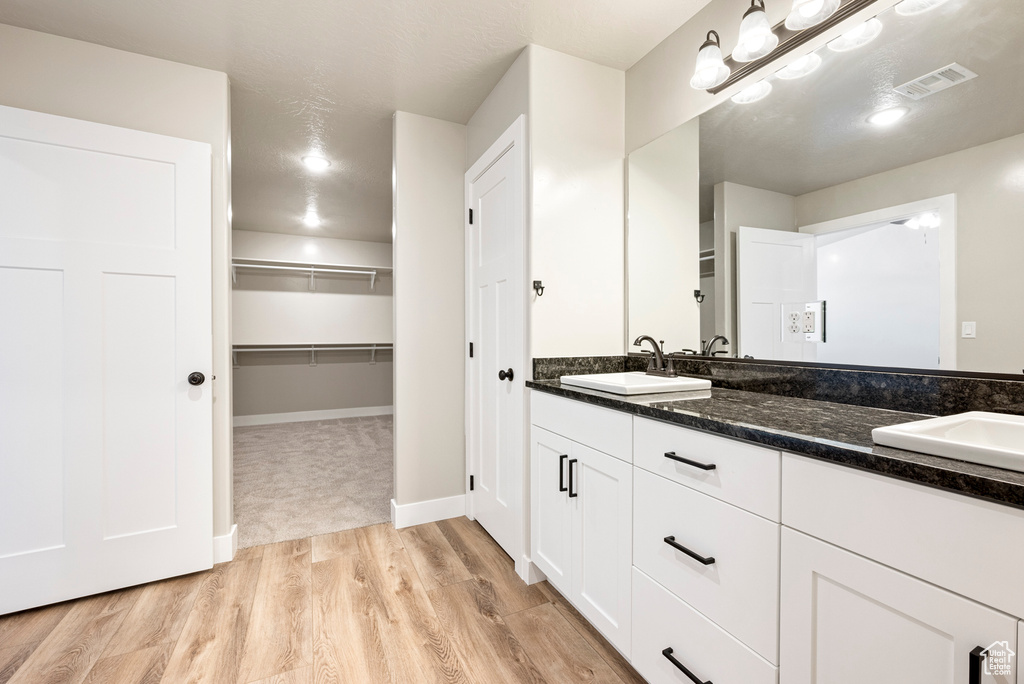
[(436, 603)]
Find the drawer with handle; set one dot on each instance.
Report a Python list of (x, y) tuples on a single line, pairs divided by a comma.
[(675, 644), (742, 474), (718, 558)]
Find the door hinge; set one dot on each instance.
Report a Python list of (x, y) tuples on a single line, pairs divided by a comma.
[(470, 217), (470, 350), (470, 483)]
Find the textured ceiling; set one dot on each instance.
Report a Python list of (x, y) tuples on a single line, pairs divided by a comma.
[(812, 133), (327, 75)]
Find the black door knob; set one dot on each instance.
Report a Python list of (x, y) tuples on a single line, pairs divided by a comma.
[(196, 378), (505, 375)]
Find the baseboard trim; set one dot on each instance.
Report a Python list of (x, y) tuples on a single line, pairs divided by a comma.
[(305, 416), (225, 546), (407, 515)]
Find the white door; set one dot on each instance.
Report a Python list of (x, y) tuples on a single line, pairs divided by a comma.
[(551, 518), (496, 319), (774, 268), (601, 489), (105, 447), (848, 620)]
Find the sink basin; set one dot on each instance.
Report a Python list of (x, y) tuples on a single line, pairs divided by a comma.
[(991, 439), (635, 383)]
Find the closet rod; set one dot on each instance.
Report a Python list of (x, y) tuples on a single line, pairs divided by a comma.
[(306, 269)]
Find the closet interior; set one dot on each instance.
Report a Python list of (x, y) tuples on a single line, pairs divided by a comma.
[(312, 334)]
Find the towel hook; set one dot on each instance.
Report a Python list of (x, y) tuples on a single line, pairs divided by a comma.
[(538, 287)]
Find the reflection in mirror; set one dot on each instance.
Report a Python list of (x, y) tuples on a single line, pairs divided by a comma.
[(825, 232)]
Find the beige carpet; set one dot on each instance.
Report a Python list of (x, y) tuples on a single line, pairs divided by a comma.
[(296, 480)]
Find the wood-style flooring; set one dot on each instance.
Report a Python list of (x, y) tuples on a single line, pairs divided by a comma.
[(433, 603)]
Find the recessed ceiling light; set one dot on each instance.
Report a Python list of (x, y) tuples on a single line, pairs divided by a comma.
[(887, 117), (758, 91), (311, 219), (857, 36), (909, 8), (800, 67), (315, 162)]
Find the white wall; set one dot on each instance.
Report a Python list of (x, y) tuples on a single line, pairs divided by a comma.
[(663, 239), (658, 92), (576, 128), (84, 81), (504, 104), (988, 181), (735, 206), (429, 261), (278, 308)]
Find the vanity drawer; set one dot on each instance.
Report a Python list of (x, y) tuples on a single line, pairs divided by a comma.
[(739, 590), (966, 545), (744, 475), (662, 621), (605, 430)]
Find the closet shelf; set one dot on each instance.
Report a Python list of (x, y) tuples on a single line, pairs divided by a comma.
[(307, 268), (373, 348)]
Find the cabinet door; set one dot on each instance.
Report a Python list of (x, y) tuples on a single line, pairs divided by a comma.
[(849, 620), (551, 521), (602, 529)]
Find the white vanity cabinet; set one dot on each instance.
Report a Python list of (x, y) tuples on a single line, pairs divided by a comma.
[(582, 515), (849, 620)]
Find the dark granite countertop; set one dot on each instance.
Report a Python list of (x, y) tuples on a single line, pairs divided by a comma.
[(840, 433)]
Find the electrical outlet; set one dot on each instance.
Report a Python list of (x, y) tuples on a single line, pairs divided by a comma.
[(808, 321), (794, 322)]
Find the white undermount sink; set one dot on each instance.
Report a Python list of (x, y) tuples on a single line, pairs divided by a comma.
[(635, 383), (993, 439)]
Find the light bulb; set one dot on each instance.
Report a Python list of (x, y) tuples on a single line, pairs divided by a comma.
[(801, 67), (887, 117), (807, 13), (315, 162), (710, 71), (857, 37), (756, 37)]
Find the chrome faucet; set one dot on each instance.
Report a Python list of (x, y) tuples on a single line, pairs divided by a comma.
[(709, 346), (657, 364)]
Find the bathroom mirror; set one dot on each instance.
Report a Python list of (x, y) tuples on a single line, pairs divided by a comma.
[(805, 226)]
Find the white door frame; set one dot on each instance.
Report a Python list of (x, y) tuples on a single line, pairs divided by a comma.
[(513, 141), (945, 207)]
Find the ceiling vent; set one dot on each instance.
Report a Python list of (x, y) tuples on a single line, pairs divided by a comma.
[(940, 79)]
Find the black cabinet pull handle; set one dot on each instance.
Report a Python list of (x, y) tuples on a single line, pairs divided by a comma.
[(561, 473), (977, 659), (671, 541), (572, 493), (682, 668), (506, 375), (695, 464)]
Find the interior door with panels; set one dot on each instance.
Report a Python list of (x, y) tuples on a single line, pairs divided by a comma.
[(848, 620), (105, 355)]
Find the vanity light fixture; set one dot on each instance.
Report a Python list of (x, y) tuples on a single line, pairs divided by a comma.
[(888, 117), (315, 162), (808, 13), (857, 37), (909, 8), (311, 219), (753, 93), (756, 37), (711, 70), (801, 67)]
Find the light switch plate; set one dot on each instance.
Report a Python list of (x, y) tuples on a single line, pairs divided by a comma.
[(969, 330)]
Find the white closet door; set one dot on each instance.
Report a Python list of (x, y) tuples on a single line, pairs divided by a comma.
[(105, 447)]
